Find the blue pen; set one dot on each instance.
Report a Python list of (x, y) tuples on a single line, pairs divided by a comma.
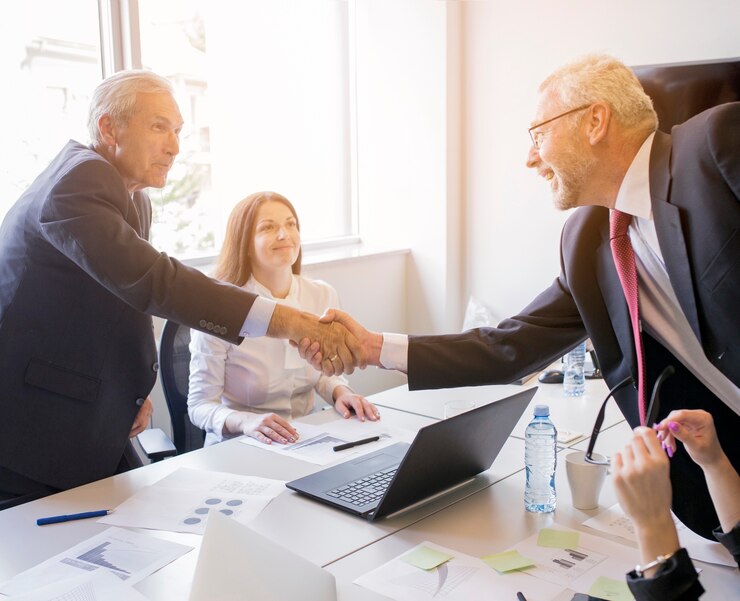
[(72, 516)]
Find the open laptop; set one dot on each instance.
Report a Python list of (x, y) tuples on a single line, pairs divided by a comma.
[(237, 563), (441, 456)]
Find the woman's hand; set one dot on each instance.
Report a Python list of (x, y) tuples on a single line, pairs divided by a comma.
[(643, 486), (267, 428), (642, 481), (346, 402), (695, 429)]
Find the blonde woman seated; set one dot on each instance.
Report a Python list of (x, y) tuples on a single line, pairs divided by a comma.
[(257, 387)]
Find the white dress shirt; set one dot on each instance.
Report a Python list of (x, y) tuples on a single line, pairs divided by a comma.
[(660, 311), (260, 375)]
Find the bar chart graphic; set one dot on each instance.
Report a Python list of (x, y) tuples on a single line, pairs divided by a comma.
[(120, 556)]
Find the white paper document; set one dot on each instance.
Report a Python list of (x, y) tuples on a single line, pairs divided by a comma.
[(130, 556), (462, 578), (614, 521), (316, 443), (93, 586), (182, 501), (465, 577)]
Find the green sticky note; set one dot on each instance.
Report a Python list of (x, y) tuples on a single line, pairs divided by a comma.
[(508, 561), (558, 539), (613, 590), (426, 558)]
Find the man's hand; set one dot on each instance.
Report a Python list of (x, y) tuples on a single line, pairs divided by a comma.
[(370, 342), (340, 351), (142, 418)]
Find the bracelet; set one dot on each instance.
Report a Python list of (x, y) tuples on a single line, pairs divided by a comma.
[(658, 561)]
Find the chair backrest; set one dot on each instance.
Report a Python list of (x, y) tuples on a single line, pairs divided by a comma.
[(174, 370)]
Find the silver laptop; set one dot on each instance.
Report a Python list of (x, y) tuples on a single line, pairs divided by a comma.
[(441, 456), (237, 563)]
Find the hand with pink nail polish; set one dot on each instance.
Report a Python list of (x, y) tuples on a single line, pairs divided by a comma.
[(695, 429)]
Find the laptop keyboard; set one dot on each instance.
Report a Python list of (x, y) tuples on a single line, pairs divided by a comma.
[(365, 490)]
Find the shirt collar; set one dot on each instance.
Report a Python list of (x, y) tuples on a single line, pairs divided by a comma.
[(253, 285), (634, 193)]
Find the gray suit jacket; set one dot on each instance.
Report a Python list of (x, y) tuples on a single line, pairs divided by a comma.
[(78, 283), (695, 187)]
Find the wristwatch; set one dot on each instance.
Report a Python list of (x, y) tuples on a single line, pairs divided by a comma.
[(658, 561)]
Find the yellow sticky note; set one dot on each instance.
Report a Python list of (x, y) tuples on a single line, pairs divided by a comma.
[(508, 561), (426, 558), (613, 590), (558, 539)]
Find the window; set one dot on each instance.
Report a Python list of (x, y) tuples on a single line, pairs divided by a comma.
[(263, 86), (50, 61)]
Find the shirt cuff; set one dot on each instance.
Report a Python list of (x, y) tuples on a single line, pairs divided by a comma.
[(394, 354), (258, 318)]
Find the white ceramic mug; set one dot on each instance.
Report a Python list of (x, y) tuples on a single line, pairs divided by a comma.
[(453, 408), (585, 479)]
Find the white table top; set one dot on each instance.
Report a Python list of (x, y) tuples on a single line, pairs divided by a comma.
[(482, 517), (494, 520), (316, 531), (576, 414)]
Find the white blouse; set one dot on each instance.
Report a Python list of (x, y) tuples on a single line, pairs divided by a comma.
[(261, 375)]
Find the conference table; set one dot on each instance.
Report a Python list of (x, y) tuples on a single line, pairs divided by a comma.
[(485, 515)]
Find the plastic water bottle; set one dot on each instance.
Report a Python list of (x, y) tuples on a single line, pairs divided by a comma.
[(540, 459), (574, 382)]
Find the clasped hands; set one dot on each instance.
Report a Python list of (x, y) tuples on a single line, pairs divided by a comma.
[(340, 344)]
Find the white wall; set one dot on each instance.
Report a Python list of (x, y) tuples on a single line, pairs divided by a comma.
[(408, 145), (512, 232)]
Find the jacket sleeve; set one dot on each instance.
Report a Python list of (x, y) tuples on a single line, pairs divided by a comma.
[(676, 580), (730, 540), (90, 219)]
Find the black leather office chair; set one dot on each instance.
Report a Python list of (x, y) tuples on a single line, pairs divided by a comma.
[(174, 371)]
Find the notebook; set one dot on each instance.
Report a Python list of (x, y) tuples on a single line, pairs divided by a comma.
[(442, 456), (237, 563)]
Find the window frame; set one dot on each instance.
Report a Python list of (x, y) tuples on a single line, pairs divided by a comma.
[(120, 47)]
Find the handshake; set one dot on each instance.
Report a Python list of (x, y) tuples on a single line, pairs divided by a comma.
[(334, 343)]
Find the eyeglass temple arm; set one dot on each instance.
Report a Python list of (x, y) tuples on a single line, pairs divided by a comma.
[(602, 412), (654, 406)]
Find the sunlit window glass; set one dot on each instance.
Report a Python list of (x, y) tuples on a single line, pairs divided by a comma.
[(50, 64), (263, 87)]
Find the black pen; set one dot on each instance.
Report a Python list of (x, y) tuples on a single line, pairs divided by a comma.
[(356, 443), (521, 597), (72, 516)]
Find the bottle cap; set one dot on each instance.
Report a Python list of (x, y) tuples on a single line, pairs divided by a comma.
[(541, 410)]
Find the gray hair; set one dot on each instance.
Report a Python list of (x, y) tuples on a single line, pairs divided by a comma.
[(602, 78), (116, 96)]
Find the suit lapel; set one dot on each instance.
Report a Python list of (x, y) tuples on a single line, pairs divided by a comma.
[(667, 219)]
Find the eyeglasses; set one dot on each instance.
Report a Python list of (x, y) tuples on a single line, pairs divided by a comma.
[(537, 136), (652, 411)]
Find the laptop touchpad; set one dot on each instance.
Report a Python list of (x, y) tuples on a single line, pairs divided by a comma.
[(375, 462)]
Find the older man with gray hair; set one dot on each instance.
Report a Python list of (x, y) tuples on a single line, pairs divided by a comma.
[(650, 269), (78, 284)]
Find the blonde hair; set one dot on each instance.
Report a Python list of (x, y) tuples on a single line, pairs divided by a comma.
[(234, 263), (603, 78), (116, 96)]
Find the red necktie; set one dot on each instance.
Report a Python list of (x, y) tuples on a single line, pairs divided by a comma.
[(624, 260)]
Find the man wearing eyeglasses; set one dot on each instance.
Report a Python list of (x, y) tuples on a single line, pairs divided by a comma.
[(594, 141)]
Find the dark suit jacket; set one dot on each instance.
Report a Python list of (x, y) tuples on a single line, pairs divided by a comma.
[(695, 187), (78, 283)]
